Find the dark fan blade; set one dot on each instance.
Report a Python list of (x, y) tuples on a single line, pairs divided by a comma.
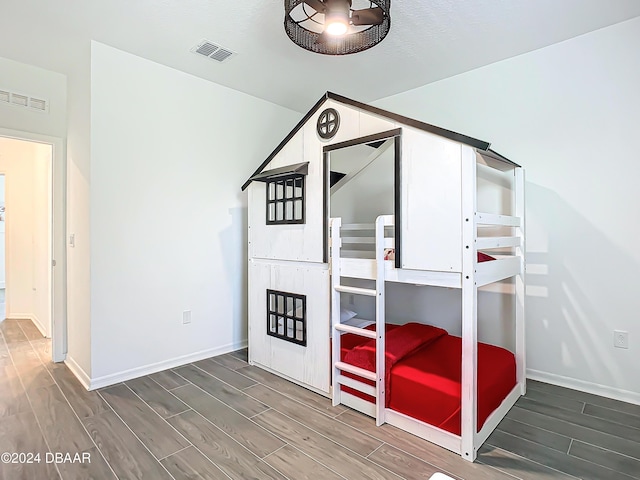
[(367, 16), (317, 5)]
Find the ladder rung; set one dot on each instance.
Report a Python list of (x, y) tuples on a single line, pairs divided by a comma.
[(358, 291), (369, 240), (357, 226), (358, 331), (361, 372), (356, 385)]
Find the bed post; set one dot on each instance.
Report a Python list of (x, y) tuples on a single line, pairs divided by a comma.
[(381, 396), (334, 272), (469, 307), (520, 281)]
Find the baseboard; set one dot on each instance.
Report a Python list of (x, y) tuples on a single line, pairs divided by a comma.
[(39, 326), (77, 370), (589, 387), (19, 316), (113, 378), (33, 318)]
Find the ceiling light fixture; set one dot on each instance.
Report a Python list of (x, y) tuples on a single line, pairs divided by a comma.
[(337, 27)]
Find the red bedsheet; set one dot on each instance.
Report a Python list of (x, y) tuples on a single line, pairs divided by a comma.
[(426, 385), (399, 343)]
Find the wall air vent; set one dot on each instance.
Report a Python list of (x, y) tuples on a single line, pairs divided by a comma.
[(8, 97), (212, 51)]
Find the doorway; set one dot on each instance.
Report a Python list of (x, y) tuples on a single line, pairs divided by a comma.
[(2, 251), (33, 167)]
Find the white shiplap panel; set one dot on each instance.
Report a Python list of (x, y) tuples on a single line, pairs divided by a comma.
[(301, 242), (370, 124), (259, 341), (308, 365), (290, 154), (431, 202)]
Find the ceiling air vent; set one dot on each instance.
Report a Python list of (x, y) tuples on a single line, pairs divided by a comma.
[(20, 100), (211, 50), (38, 104), (8, 97)]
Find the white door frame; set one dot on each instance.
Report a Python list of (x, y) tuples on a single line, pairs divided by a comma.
[(58, 238)]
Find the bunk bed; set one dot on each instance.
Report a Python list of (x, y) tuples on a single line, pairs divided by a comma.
[(450, 390), (430, 373)]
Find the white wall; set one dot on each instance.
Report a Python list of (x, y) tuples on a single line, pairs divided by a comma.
[(25, 164), (78, 212), (568, 113), (42, 238), (369, 194), (169, 153)]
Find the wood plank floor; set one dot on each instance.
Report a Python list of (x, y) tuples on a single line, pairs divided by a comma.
[(223, 419)]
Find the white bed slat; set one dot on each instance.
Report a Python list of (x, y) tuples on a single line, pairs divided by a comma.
[(357, 226), (421, 429), (365, 268), (367, 240), (356, 385), (358, 268), (483, 243), (496, 270), (364, 254), (355, 290), (425, 277), (355, 330), (358, 404), (361, 372), (483, 218)]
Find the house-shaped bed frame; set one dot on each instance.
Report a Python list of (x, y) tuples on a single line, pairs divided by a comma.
[(297, 269)]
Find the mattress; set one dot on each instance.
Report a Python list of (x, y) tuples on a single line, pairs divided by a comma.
[(426, 384)]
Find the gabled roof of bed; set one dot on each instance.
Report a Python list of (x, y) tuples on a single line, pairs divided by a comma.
[(451, 135)]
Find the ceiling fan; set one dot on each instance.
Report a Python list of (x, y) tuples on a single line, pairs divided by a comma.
[(337, 27), (339, 15)]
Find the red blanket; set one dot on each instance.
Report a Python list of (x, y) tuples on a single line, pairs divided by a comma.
[(483, 257), (399, 343)]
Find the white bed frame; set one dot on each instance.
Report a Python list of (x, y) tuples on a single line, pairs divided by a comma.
[(472, 276)]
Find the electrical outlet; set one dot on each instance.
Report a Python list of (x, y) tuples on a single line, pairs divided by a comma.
[(186, 317), (620, 339), (72, 240)]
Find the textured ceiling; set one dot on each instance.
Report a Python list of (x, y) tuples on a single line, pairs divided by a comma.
[(429, 40)]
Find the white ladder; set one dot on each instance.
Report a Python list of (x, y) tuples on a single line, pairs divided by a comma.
[(378, 392)]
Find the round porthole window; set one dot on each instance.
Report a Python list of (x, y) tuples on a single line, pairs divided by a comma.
[(328, 123)]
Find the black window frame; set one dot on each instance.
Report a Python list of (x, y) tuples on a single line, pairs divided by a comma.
[(275, 314), (295, 182), (396, 134)]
